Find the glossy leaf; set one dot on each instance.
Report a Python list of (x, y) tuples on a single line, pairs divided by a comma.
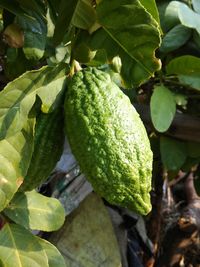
[(135, 40), (55, 259), (188, 17), (171, 17), (173, 153), (196, 5), (20, 248), (163, 108), (35, 30), (184, 65), (192, 80), (187, 68), (35, 211), (178, 12), (15, 155), (18, 97), (175, 38)]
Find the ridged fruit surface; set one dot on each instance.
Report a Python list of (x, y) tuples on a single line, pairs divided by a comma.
[(109, 140), (48, 147)]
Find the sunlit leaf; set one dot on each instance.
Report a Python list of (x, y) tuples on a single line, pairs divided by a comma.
[(18, 97), (196, 5), (20, 248), (173, 153), (53, 255), (35, 211), (15, 155), (134, 41)]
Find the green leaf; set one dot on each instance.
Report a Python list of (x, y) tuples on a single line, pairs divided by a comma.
[(65, 14), (192, 80), (79, 13), (189, 164), (13, 7), (134, 41), (55, 259), (151, 7), (84, 16), (173, 153), (163, 108), (175, 38), (20, 248), (35, 31), (33, 5), (16, 63), (18, 97), (193, 149), (35, 211), (188, 17), (187, 68), (171, 17), (184, 65), (196, 5), (15, 156)]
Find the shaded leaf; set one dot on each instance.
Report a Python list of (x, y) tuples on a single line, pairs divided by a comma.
[(33, 5), (53, 255), (65, 14), (189, 164), (184, 65), (35, 31), (35, 211), (84, 16), (79, 247), (163, 108), (181, 100), (15, 155), (193, 149), (192, 80), (18, 97), (175, 38), (187, 68), (173, 153), (18, 247), (16, 63), (13, 7)]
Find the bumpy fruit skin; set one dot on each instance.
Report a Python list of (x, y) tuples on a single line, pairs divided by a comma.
[(48, 147), (109, 140)]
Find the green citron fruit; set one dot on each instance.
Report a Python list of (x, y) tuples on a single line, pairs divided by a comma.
[(109, 140), (48, 147)]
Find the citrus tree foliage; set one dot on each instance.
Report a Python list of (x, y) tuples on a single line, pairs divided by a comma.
[(176, 87), (43, 43)]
